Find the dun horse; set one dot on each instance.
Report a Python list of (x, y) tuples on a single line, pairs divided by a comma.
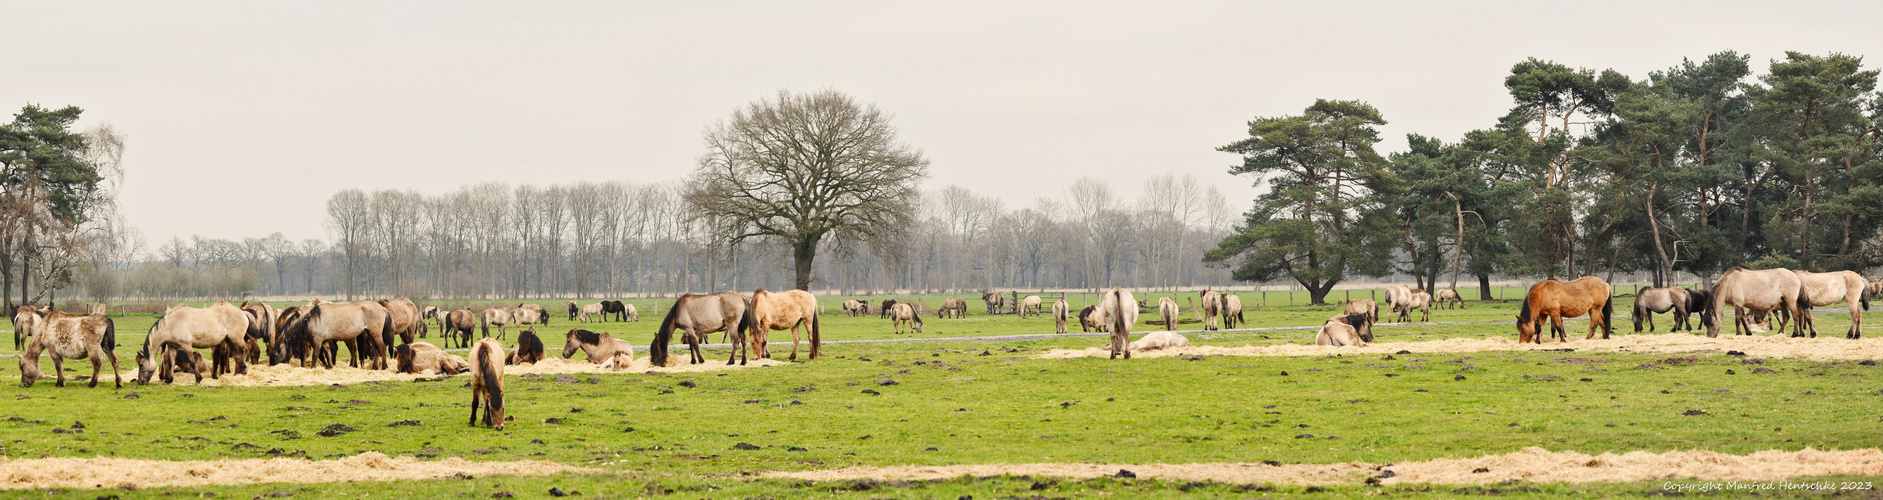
[(1089, 319), (1840, 286), (500, 316), (956, 308), (994, 300), (1167, 309), (1661, 300), (24, 318), (599, 347), (417, 357), (487, 381), (1364, 306), (529, 349), (1418, 300), (367, 322), (1029, 305), (1345, 330), (187, 328), (1120, 311), (697, 316), (904, 313), (1449, 297), (1210, 310), (1557, 299), (459, 323), (67, 336), (1770, 290), (265, 315), (406, 322), (1159, 340), (854, 307), (1060, 308), (777, 311), (591, 312), (1232, 310), (1396, 298)]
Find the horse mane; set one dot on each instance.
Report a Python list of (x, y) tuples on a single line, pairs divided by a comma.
[(657, 352), (1523, 311), (584, 336), (1356, 320)]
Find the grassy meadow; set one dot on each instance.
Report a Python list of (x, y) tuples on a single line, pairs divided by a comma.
[(704, 435)]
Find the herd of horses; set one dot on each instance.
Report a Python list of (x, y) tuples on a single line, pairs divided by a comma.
[(1756, 296)]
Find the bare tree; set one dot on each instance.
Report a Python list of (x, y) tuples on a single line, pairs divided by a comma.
[(805, 166)]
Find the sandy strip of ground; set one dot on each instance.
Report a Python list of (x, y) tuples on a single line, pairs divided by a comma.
[(1530, 464), (369, 466), (286, 375), (1764, 346)]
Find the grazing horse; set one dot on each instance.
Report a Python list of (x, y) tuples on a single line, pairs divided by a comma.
[(1448, 297), (1839, 286), (1875, 287), (1167, 308), (621, 311), (698, 315), (487, 381), (1159, 340), (1211, 309), (100, 309), (366, 322), (264, 314), (405, 320), (1557, 299), (777, 311), (1232, 310), (883, 310), (1060, 308), (591, 312), (67, 336), (1029, 305), (1089, 319), (432, 313), (420, 356), (187, 328), (1396, 297), (600, 347), (573, 309), (1418, 299), (458, 323), (24, 317), (1120, 311), (854, 307), (994, 301), (903, 313), (500, 316), (529, 314), (1661, 300), (1769, 290), (1345, 330), (1698, 302), (284, 349), (958, 308), (529, 349), (1364, 306)]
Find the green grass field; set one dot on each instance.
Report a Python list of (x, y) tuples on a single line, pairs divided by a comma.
[(700, 435)]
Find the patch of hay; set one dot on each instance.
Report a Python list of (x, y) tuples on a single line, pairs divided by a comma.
[(1530, 464), (369, 466), (286, 375), (1767, 346)]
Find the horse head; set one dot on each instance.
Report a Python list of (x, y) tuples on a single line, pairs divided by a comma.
[(576, 339)]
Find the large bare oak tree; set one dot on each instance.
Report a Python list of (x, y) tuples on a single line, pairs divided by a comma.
[(804, 166)]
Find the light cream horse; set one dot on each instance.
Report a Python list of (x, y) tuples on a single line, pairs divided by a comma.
[(1839, 286), (500, 316), (1766, 290), (1661, 300), (1345, 330), (1159, 340), (778, 311), (1167, 309), (1030, 305), (67, 336), (1060, 310), (24, 318), (418, 357), (1210, 310), (266, 314), (901, 313), (1120, 312), (591, 312), (1232, 310), (1449, 297), (1364, 306), (188, 328), (406, 322), (1416, 299)]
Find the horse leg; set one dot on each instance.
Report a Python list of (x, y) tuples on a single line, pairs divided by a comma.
[(58, 366), (794, 341), (98, 363), (116, 377), (241, 357), (473, 422), (1856, 323)]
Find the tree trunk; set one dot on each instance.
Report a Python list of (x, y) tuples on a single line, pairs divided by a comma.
[(1667, 267), (803, 253), (1484, 287), (1459, 243), (1317, 295)]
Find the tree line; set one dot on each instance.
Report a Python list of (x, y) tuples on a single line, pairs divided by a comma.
[(1697, 168)]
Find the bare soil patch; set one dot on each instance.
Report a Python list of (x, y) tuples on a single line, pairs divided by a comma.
[(1766, 346), (1530, 464), (369, 466), (285, 375)]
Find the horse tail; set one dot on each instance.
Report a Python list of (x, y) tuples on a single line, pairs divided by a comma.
[(1118, 312), (110, 340), (817, 335), (1608, 312), (483, 321), (657, 352), (1641, 311), (1863, 297)]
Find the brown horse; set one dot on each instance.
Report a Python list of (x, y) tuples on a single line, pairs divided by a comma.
[(460, 323), (1060, 308), (599, 347), (264, 314), (1839, 286), (573, 309), (698, 315), (1767, 290), (622, 312), (957, 308), (487, 381), (883, 311), (994, 301), (1661, 300), (529, 349), (903, 313), (420, 356), (777, 311), (1120, 311), (1557, 299), (1167, 309), (406, 322), (67, 336), (185, 328), (1698, 302)]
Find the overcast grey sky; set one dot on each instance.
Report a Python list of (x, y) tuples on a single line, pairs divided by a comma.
[(243, 117)]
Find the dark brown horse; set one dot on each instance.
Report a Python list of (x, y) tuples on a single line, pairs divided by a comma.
[(1557, 299), (884, 311), (529, 348), (698, 315), (616, 308)]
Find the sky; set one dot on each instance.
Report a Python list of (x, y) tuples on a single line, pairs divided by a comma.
[(242, 118)]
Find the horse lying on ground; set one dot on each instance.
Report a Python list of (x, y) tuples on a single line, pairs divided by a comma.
[(1661, 300), (599, 346), (487, 381), (529, 349), (778, 311), (67, 336), (1345, 330), (1557, 299), (420, 356), (1159, 340)]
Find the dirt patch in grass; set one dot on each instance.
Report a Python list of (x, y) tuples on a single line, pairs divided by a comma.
[(285, 375), (1530, 464), (369, 466), (1767, 346)]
